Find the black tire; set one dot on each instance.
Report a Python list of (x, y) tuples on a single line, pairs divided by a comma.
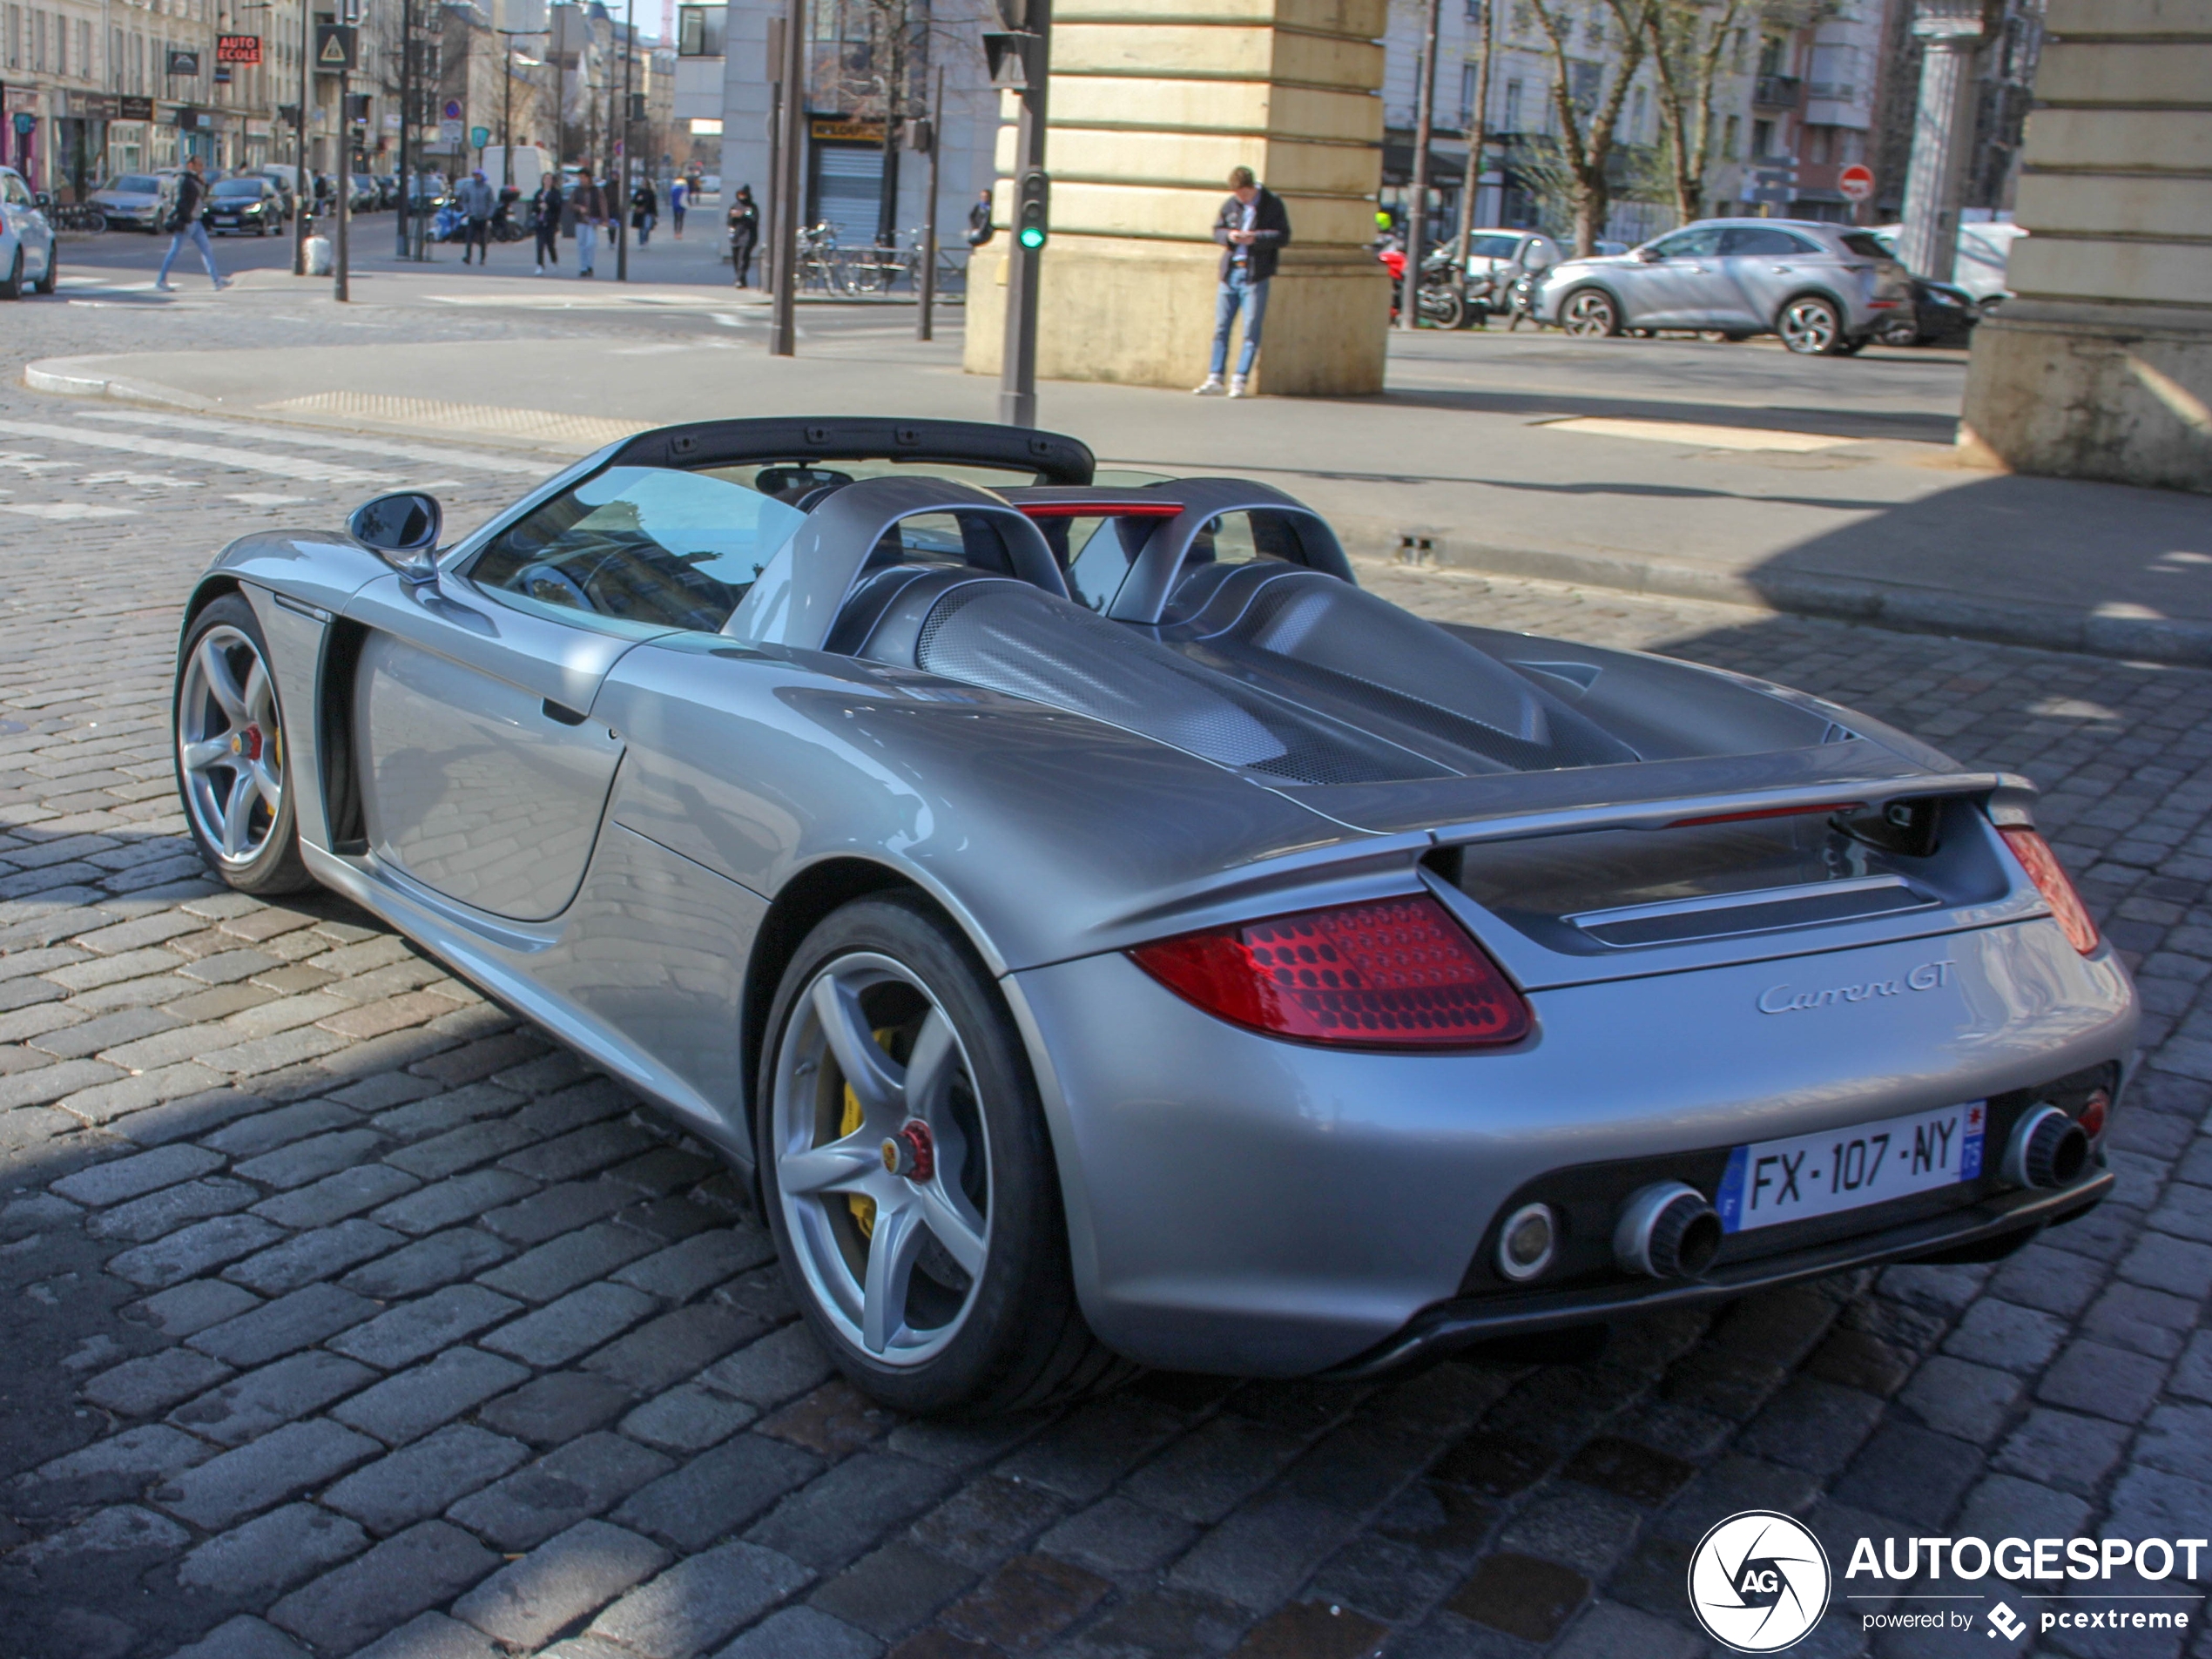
[(1015, 1339), (1898, 332), (11, 284), (1590, 313), (51, 275), (271, 864), (1443, 308)]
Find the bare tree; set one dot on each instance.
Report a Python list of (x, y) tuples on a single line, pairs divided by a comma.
[(1688, 39), (1588, 95)]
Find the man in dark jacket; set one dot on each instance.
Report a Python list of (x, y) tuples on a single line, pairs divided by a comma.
[(1252, 228), (979, 221), (184, 227)]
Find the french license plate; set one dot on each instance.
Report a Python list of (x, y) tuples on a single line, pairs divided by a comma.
[(1819, 1174)]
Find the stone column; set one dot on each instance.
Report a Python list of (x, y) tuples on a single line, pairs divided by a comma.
[(2100, 366), (1153, 102), (1949, 33)]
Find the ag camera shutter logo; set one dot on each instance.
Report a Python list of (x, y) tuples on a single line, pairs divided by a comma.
[(1759, 1582)]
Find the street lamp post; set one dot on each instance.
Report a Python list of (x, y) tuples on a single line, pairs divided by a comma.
[(1409, 308), (303, 192), (783, 328), (622, 147), (926, 298), (1018, 368)]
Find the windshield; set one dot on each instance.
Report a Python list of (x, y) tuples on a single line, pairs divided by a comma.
[(239, 187), (640, 545), (1869, 246), (139, 183), (1492, 247)]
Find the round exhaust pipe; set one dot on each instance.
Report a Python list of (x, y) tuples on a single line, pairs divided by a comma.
[(1667, 1231), (2048, 1148)]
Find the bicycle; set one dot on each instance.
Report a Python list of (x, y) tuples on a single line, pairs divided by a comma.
[(79, 216), (820, 264)]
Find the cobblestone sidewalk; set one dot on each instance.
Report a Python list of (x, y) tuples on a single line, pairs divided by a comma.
[(344, 1315)]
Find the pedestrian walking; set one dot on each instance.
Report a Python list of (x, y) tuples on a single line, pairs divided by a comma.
[(185, 225), (476, 203), (645, 210), (590, 214), (546, 205), (979, 221), (745, 236), (679, 198), (1252, 228)]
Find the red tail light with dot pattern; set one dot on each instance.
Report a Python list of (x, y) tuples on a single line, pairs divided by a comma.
[(1397, 973)]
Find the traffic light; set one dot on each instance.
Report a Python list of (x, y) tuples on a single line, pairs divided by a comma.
[(1032, 209)]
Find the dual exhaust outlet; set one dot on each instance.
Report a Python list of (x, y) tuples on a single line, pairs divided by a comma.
[(1667, 1229)]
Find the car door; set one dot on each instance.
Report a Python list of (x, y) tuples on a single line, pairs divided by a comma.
[(1670, 284), (484, 775), (1762, 265)]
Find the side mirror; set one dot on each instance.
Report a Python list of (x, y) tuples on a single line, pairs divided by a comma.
[(1649, 255), (404, 529)]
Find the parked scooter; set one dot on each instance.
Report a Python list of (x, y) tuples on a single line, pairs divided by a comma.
[(1443, 303)]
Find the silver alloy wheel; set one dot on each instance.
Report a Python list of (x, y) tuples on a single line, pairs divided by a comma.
[(899, 1287), (1809, 326), (1589, 313), (231, 745)]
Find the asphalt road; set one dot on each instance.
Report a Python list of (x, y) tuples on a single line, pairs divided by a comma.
[(343, 1313)]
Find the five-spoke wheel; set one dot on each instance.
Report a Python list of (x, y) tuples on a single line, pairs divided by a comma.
[(908, 1175), (882, 1158), (230, 751)]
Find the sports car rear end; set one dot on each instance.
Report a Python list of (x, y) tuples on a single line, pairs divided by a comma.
[(1837, 1067)]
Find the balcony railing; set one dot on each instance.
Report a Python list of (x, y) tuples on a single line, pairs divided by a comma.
[(1776, 91)]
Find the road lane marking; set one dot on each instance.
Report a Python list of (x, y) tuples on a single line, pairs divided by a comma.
[(141, 480), (467, 460), (259, 498), (1696, 435), (319, 472), (66, 509), (547, 425)]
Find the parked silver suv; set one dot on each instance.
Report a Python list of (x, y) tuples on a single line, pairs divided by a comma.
[(1821, 288)]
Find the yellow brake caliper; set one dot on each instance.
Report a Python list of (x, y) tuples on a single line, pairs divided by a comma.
[(863, 1208)]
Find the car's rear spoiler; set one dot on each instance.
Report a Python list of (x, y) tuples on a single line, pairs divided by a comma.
[(1056, 458)]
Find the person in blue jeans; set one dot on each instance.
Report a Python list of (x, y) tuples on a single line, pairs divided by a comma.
[(192, 191), (1252, 228)]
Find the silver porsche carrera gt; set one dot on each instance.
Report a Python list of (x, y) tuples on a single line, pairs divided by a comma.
[(1105, 935)]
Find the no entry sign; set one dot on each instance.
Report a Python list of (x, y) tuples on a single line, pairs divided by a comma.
[(1856, 181)]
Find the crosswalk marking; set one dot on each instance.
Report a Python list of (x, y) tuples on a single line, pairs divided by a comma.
[(468, 461), (66, 509), (277, 466), (259, 498), (141, 480)]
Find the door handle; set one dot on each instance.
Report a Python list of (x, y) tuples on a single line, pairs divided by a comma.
[(1785, 270), (562, 713)]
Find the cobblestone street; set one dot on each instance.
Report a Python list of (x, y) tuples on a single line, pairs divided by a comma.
[(344, 1313)]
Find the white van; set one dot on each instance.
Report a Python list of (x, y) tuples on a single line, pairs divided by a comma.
[(531, 164)]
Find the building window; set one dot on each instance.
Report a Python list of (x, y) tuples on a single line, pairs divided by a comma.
[(1762, 139), (1513, 106), (1737, 59), (1732, 139), (1636, 108), (1467, 96), (1770, 51)]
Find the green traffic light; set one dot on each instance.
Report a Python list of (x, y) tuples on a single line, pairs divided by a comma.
[(1033, 236)]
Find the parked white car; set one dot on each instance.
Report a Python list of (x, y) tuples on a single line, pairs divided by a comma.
[(1984, 246), (26, 241)]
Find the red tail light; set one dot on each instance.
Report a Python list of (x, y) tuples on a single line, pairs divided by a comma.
[(1399, 973), (2051, 881)]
